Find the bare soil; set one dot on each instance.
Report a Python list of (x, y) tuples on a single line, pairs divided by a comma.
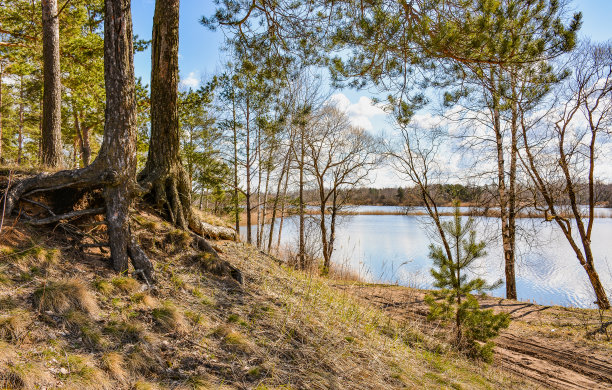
[(550, 346)]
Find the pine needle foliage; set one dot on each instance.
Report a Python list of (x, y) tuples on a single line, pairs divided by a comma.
[(454, 301)]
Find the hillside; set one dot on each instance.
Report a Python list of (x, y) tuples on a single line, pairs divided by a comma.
[(68, 321)]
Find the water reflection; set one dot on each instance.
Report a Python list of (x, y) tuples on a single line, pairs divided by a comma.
[(394, 249)]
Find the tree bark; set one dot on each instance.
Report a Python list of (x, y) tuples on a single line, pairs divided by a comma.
[(507, 239), (302, 244), (235, 141), (164, 176), (286, 163), (1, 73), (118, 151), (20, 136), (52, 88), (248, 173)]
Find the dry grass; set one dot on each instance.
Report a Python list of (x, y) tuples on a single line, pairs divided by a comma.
[(280, 329), (64, 296), (169, 318), (144, 300), (114, 364), (14, 325), (82, 373), (125, 284), (23, 376)]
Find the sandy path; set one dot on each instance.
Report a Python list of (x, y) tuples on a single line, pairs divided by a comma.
[(536, 346)]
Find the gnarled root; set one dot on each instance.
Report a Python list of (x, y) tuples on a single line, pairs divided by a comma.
[(210, 231), (117, 199), (214, 264), (170, 193)]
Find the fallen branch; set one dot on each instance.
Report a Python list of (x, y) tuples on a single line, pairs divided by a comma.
[(39, 204), (70, 215)]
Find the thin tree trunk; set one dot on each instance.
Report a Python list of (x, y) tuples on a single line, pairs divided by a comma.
[(332, 227), (503, 202), (20, 136), (323, 226), (276, 200), (75, 148), (235, 141), (265, 201), (52, 88), (510, 266), (40, 120), (302, 244), (259, 170), (283, 201), (79, 136), (1, 73), (201, 196), (86, 147), (248, 172)]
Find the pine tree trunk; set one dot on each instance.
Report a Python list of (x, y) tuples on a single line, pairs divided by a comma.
[(86, 146), (164, 175), (302, 243), (20, 136), (1, 72), (118, 151), (235, 141), (507, 239), (52, 88), (248, 173)]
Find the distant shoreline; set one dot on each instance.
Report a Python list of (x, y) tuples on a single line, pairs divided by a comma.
[(487, 213)]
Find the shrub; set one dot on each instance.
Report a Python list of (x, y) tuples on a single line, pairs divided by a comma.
[(454, 300)]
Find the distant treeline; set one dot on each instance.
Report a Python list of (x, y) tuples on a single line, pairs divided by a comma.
[(411, 196), (446, 193)]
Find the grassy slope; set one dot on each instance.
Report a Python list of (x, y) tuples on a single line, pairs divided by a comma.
[(67, 321)]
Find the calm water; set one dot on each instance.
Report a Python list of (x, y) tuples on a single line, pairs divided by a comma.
[(394, 249)]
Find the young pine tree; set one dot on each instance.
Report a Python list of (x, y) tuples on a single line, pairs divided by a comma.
[(454, 301)]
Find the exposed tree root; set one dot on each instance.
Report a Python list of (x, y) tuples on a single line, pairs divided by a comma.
[(170, 193), (89, 179), (214, 264), (70, 215)]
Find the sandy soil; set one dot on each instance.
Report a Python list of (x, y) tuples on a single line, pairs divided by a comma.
[(551, 346)]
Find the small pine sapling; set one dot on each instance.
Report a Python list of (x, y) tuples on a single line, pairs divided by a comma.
[(454, 301)]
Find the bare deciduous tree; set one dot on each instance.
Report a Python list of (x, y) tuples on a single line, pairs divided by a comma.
[(560, 154), (340, 157)]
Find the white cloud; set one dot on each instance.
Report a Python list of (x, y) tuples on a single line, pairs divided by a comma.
[(191, 81), (360, 113)]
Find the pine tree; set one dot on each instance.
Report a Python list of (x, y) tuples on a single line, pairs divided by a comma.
[(454, 301)]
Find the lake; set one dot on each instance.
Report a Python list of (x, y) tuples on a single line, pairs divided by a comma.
[(394, 249)]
